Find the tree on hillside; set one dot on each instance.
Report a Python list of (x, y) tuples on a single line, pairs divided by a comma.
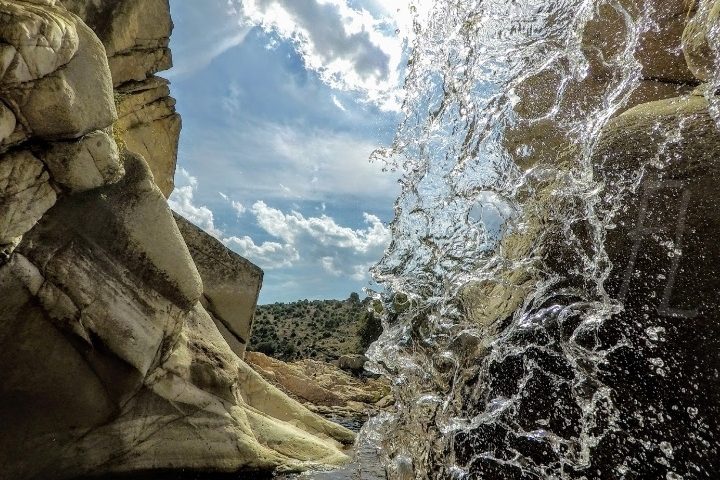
[(370, 329)]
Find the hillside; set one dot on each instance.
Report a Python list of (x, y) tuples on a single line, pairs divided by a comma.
[(317, 329)]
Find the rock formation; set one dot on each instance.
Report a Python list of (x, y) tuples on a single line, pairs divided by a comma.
[(549, 128), (110, 360), (136, 35), (231, 284), (323, 387)]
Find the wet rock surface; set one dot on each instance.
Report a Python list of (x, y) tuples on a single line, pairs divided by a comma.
[(581, 341)]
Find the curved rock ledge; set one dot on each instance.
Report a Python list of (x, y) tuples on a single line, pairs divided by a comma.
[(111, 364)]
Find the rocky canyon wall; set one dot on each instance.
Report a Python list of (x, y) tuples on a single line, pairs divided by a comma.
[(112, 357)]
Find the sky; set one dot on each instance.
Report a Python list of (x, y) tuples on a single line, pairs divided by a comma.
[(282, 102)]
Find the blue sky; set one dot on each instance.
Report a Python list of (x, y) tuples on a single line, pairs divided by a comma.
[(282, 103)]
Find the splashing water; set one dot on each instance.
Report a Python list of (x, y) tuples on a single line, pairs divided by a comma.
[(495, 303)]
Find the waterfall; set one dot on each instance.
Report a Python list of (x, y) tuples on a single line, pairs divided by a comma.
[(531, 319)]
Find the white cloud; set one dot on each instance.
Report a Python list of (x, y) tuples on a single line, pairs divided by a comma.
[(269, 255), (182, 201), (312, 164), (307, 242), (318, 164), (338, 104), (302, 242), (329, 266), (238, 207), (348, 47), (324, 231), (340, 251)]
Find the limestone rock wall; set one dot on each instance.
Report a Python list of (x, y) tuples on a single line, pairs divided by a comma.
[(136, 35), (109, 361), (231, 284)]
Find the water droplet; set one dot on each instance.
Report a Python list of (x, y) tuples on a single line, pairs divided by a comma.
[(667, 449), (658, 362), (655, 333)]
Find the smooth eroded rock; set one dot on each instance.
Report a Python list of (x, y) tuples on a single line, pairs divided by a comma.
[(70, 101), (35, 40), (135, 33), (660, 162), (84, 164), (700, 38), (231, 284)]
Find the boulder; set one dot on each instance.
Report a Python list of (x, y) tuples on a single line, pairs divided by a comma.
[(197, 406), (545, 129), (292, 379), (25, 194), (641, 380), (660, 161), (352, 363), (124, 326), (231, 284), (68, 101), (321, 386), (8, 122), (136, 34), (35, 40), (697, 40), (84, 164)]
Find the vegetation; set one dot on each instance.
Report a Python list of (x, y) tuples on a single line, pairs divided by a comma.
[(318, 329)]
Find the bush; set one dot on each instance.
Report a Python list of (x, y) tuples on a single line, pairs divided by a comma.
[(370, 329), (267, 348)]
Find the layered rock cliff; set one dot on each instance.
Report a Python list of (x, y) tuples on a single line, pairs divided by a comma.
[(110, 350)]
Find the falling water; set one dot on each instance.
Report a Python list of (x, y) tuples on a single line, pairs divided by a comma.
[(496, 310)]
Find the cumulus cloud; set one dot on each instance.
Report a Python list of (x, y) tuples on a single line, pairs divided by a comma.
[(269, 255), (323, 231), (348, 47), (238, 207), (340, 251), (182, 201), (299, 241)]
